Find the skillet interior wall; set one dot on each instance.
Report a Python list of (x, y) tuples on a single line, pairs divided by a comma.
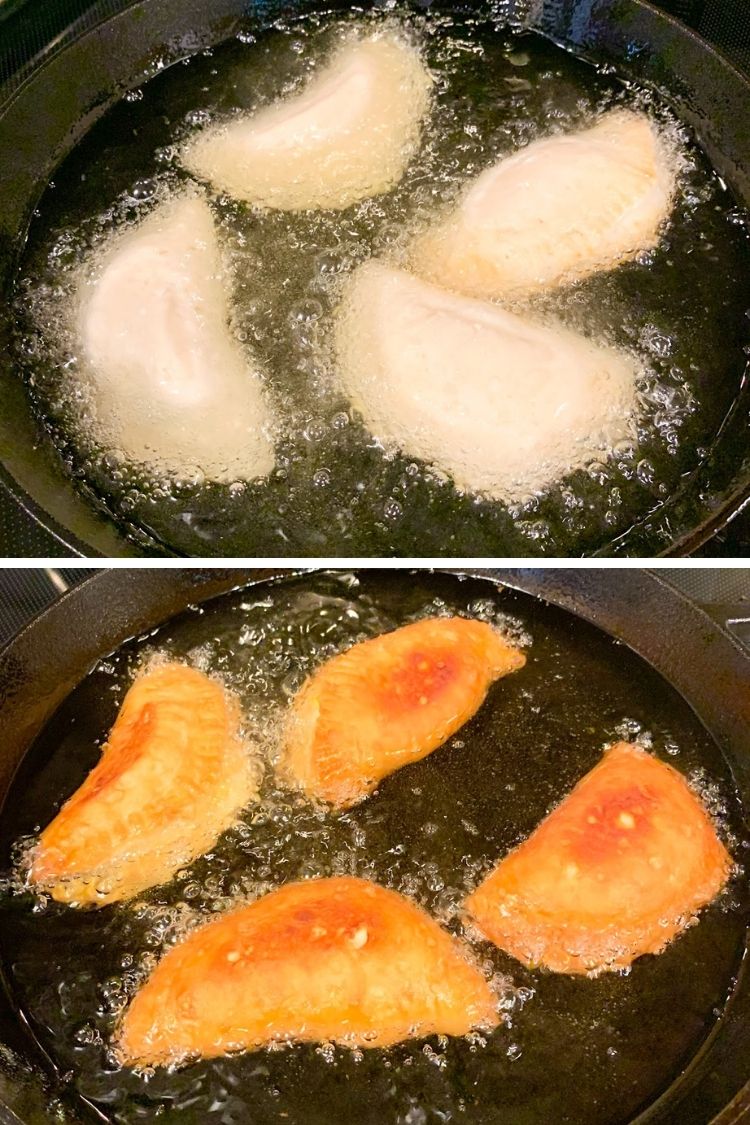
[(656, 50), (705, 664)]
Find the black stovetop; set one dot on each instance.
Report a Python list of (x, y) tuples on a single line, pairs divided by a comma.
[(725, 23)]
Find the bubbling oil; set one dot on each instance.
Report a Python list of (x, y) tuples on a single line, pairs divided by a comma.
[(334, 490), (568, 1049)]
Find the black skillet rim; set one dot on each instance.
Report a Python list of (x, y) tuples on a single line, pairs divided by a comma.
[(641, 602)]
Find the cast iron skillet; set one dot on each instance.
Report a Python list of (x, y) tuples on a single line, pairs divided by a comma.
[(695, 656), (49, 102)]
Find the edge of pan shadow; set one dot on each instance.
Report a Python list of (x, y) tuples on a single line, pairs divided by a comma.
[(589, 1052)]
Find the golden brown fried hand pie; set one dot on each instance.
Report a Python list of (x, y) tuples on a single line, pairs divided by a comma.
[(327, 959), (390, 701), (617, 870), (171, 778)]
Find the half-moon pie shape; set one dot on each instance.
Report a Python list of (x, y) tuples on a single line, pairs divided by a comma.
[(348, 135), (390, 701), (326, 959), (556, 211), (503, 403), (171, 386), (172, 776), (617, 870)]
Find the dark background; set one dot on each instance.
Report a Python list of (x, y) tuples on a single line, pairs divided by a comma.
[(723, 593), (27, 25)]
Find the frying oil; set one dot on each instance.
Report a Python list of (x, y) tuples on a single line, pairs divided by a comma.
[(334, 490), (568, 1049)]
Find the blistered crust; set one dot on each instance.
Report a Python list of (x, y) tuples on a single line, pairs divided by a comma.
[(390, 701), (173, 775), (618, 869), (337, 959)]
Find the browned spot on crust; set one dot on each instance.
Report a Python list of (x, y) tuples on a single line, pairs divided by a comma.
[(328, 959)]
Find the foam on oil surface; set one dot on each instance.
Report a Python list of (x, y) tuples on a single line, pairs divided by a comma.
[(569, 1049), (334, 490)]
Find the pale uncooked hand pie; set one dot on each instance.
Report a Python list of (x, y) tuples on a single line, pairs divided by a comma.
[(169, 385), (556, 211), (499, 402), (347, 136)]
